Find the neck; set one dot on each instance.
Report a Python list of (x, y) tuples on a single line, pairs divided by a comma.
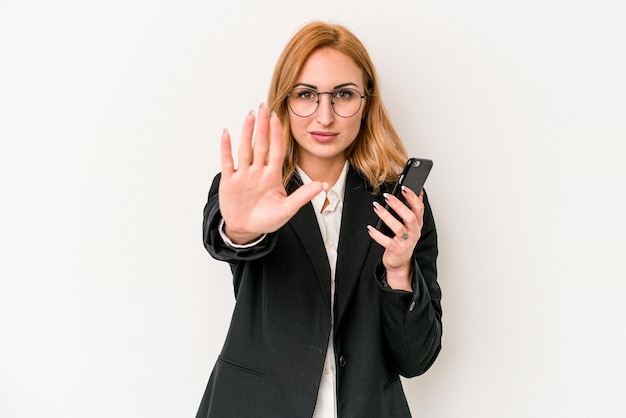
[(327, 172)]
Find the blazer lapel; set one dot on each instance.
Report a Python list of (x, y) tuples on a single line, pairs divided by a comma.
[(354, 241), (304, 224)]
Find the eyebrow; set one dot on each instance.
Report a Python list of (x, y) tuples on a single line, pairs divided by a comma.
[(338, 86)]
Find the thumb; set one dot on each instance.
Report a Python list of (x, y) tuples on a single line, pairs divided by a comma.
[(303, 195)]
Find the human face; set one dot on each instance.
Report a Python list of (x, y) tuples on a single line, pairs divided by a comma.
[(324, 136)]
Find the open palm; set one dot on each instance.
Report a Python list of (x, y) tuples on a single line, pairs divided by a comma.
[(252, 198)]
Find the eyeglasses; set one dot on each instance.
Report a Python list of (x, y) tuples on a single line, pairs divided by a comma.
[(345, 102)]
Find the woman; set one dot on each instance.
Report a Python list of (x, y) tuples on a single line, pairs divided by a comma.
[(329, 311)]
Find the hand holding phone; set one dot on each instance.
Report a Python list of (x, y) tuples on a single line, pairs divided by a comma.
[(413, 176)]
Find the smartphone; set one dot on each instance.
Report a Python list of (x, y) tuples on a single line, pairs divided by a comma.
[(413, 176)]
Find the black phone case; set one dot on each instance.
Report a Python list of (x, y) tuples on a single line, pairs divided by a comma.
[(413, 176)]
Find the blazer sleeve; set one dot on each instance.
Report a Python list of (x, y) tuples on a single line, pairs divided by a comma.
[(213, 241), (412, 320)]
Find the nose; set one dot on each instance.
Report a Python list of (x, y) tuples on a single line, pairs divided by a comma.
[(325, 112)]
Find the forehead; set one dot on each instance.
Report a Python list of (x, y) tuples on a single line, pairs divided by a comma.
[(327, 68)]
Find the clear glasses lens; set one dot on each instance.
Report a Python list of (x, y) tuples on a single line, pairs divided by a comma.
[(303, 101)]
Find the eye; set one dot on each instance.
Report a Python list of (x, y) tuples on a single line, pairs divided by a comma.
[(345, 94), (304, 94)]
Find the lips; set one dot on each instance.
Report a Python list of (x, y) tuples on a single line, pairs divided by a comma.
[(323, 136)]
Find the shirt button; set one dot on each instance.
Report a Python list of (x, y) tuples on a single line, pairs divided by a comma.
[(412, 306), (342, 360), (326, 371)]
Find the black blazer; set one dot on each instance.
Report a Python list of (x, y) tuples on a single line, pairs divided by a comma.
[(272, 360)]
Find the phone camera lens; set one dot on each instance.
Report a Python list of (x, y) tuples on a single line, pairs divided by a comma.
[(417, 163)]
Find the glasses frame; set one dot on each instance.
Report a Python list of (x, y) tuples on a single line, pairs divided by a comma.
[(332, 102)]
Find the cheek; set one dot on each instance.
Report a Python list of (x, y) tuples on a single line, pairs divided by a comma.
[(355, 127), (298, 126)]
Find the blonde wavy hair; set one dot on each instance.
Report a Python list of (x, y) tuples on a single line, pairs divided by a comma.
[(377, 154)]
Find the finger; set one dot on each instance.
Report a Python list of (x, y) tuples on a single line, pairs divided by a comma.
[(417, 203), (379, 237), (302, 196), (261, 141), (400, 208), (244, 154), (277, 145), (395, 225), (226, 155)]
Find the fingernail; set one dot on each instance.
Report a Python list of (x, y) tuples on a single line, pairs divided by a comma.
[(376, 205), (324, 184), (273, 114), (251, 113), (386, 196), (404, 189)]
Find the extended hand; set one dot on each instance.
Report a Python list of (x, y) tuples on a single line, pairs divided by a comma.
[(252, 198)]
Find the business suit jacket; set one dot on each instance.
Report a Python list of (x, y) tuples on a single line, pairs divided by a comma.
[(272, 360)]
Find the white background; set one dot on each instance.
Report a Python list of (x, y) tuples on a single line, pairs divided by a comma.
[(110, 117)]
